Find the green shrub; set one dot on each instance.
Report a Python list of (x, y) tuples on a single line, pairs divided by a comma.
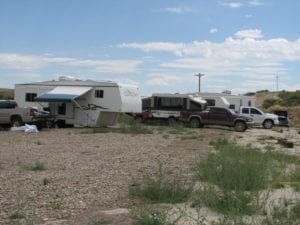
[(226, 201), (284, 213), (290, 98), (17, 216), (280, 177), (161, 188), (270, 102), (37, 166), (235, 174), (45, 181), (151, 217), (250, 94), (134, 128), (38, 143), (234, 167)]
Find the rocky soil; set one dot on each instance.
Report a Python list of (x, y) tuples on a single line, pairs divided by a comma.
[(86, 176)]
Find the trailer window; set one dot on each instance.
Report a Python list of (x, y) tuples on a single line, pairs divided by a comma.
[(211, 102), (170, 103), (29, 97), (61, 109), (146, 103), (99, 93), (232, 106)]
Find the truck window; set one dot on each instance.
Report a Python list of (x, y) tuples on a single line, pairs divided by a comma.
[(255, 111), (245, 110), (8, 105), (195, 106)]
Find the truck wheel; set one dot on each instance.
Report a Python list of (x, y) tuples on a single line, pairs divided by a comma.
[(240, 126), (195, 123), (268, 124), (172, 121), (16, 121)]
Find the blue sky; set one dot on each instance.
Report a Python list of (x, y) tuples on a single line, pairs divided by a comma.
[(158, 45)]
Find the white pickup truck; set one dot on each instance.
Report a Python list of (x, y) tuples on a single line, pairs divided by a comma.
[(11, 114), (267, 120)]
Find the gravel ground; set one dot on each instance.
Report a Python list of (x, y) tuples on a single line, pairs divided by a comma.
[(87, 175)]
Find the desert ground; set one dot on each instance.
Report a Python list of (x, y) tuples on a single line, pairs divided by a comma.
[(85, 176)]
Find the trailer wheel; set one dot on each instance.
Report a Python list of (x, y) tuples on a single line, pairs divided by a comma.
[(16, 121), (195, 123), (49, 124), (268, 124), (240, 126), (59, 124), (172, 121)]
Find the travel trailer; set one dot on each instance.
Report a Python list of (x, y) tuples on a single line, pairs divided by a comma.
[(227, 100), (169, 106), (80, 103)]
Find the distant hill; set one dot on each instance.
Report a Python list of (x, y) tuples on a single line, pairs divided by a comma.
[(283, 100), (6, 93)]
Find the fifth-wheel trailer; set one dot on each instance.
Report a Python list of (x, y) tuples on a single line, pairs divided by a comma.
[(80, 103)]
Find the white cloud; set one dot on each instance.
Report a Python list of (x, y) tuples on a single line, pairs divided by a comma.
[(179, 10), (233, 5), (251, 33), (256, 2), (166, 79), (246, 54), (35, 63), (155, 46), (213, 30), (248, 16)]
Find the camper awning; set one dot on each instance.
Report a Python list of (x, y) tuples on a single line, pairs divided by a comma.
[(62, 94)]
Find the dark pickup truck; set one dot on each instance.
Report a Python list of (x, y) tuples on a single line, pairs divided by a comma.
[(216, 116)]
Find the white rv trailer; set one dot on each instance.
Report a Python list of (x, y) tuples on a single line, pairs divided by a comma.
[(227, 100), (80, 103)]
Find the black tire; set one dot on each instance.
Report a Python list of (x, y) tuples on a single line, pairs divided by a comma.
[(48, 124), (60, 124), (240, 126), (268, 124), (172, 121), (195, 123), (16, 121)]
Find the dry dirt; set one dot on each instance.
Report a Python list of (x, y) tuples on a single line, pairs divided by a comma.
[(87, 175)]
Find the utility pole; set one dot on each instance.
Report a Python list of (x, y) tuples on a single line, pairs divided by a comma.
[(277, 82), (199, 75)]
